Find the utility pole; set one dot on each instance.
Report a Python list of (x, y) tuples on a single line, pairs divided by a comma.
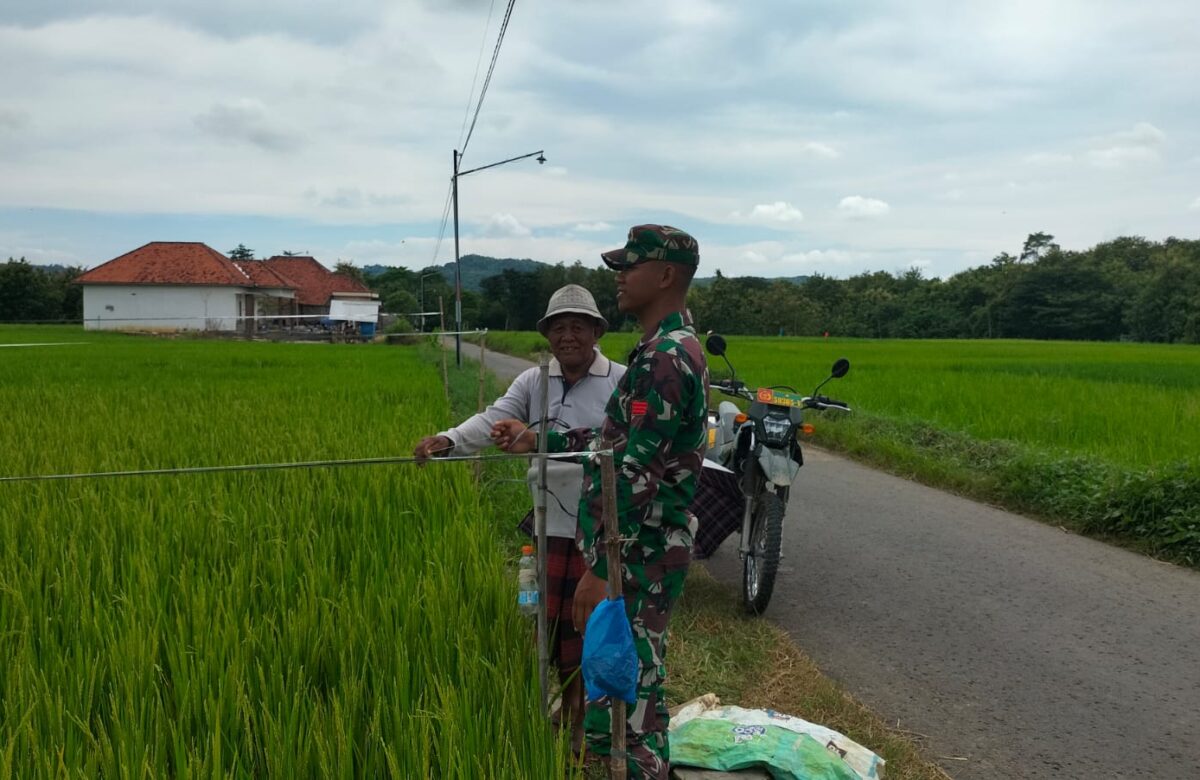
[(541, 158), (457, 274)]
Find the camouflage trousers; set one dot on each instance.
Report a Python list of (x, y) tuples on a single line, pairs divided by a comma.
[(650, 596)]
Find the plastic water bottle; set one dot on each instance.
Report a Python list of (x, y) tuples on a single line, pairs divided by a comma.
[(527, 584)]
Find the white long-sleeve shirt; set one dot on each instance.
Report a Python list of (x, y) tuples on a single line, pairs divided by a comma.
[(580, 405)]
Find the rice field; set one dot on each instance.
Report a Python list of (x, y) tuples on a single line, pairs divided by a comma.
[(1131, 405), (357, 622)]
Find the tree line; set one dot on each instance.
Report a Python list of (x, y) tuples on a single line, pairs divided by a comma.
[(36, 293), (1127, 288)]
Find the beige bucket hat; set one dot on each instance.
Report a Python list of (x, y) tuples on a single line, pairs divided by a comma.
[(571, 299)]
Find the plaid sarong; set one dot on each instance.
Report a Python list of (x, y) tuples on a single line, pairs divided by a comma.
[(564, 568)]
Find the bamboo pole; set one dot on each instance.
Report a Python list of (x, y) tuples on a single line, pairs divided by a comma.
[(479, 402), (618, 760), (539, 519), (482, 369), (445, 373)]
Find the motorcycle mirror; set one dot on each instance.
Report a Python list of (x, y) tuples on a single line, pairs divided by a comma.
[(715, 344), (840, 368)]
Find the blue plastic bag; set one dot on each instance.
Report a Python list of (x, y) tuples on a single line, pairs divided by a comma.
[(610, 662)]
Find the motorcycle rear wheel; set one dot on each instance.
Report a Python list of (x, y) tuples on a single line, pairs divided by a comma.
[(762, 561)]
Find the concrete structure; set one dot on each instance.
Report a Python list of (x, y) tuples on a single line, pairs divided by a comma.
[(162, 307)]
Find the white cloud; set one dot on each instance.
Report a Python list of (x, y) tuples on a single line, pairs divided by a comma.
[(1195, 205), (779, 211), (244, 121), (1048, 158), (818, 149), (336, 125), (505, 225), (1143, 144), (858, 207), (824, 261)]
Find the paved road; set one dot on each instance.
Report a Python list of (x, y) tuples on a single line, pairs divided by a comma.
[(1026, 651)]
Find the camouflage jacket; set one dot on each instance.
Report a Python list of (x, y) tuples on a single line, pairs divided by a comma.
[(656, 420)]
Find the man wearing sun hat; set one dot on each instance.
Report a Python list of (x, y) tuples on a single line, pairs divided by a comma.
[(581, 382), (656, 420)]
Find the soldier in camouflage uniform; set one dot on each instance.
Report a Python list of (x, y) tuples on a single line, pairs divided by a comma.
[(656, 422)]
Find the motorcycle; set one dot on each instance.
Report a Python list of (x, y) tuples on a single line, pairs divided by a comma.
[(761, 447)]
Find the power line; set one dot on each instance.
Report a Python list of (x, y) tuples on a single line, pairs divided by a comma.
[(491, 68), (475, 79), (437, 247)]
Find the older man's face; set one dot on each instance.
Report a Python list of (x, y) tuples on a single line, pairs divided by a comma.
[(572, 338)]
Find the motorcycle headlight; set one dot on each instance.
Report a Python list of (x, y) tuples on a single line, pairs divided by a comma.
[(776, 430)]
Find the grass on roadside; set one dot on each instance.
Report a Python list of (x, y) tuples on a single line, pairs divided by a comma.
[(715, 648)]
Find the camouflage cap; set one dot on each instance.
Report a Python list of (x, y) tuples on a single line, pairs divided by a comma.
[(654, 242)]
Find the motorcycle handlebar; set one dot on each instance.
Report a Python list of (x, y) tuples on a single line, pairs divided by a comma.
[(824, 401), (739, 389)]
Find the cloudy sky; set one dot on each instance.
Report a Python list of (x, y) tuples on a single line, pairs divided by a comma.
[(790, 137)]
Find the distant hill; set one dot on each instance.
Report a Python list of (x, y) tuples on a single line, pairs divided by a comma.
[(476, 268)]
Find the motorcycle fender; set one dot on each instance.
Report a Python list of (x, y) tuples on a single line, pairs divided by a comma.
[(778, 467)]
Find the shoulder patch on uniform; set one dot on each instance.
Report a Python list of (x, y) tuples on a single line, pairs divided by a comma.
[(638, 407)]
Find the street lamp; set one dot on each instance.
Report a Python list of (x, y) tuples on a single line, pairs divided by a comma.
[(541, 158)]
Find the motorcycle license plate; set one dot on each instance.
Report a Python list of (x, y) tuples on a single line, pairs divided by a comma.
[(779, 398)]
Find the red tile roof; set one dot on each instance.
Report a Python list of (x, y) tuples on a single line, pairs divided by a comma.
[(261, 275), (314, 283), (188, 262), (169, 262)]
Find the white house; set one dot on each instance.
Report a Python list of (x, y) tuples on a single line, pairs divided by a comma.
[(177, 285)]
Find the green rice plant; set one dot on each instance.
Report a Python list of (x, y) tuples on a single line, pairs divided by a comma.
[(1103, 437), (355, 622), (1131, 404)]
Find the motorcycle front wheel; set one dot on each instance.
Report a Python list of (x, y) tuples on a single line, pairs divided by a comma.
[(762, 561)]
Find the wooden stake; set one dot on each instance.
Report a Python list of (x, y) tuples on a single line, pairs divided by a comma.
[(618, 760), (539, 520)]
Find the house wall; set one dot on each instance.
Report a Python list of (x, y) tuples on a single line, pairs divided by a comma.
[(160, 306)]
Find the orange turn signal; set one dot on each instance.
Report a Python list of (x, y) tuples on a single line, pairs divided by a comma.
[(808, 429), (740, 418)]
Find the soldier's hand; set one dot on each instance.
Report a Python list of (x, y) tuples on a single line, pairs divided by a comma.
[(432, 447), (513, 436), (590, 591)]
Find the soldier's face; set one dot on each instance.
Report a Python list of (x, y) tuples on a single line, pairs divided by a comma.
[(639, 285), (572, 338)]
